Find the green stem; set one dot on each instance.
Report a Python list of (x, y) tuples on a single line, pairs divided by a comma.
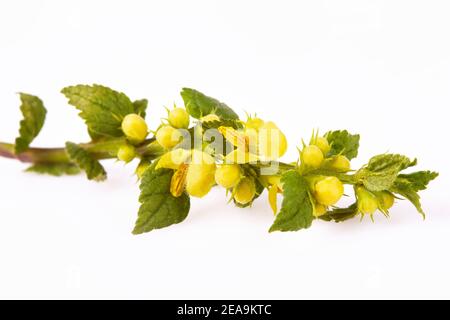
[(99, 150)]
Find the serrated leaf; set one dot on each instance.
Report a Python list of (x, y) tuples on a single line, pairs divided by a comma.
[(382, 171), (341, 214), (296, 210), (406, 190), (419, 180), (140, 107), (54, 169), (408, 186), (342, 142), (159, 208), (102, 108), (83, 159), (199, 105), (387, 162), (235, 124), (34, 113)]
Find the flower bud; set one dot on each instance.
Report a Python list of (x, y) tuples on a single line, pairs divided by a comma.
[(322, 144), (385, 201), (228, 175), (328, 191), (338, 163), (135, 128), (244, 191), (168, 137), (178, 118), (312, 157), (254, 123), (367, 201), (126, 153)]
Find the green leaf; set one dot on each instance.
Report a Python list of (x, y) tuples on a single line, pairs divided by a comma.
[(94, 170), (102, 108), (159, 208), (341, 214), (296, 210), (54, 169), (406, 190), (408, 186), (199, 105), (34, 113), (382, 171), (236, 124), (140, 107), (386, 162), (342, 142), (419, 180)]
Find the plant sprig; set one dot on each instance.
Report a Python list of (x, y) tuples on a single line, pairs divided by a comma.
[(180, 161)]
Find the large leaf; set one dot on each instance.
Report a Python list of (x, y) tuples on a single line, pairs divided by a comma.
[(159, 208), (199, 105), (296, 210), (102, 108), (34, 113)]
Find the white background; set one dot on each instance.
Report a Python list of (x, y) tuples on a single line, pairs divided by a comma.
[(378, 68)]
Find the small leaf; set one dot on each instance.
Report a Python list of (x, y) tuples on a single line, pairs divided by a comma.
[(296, 210), (140, 107), (102, 108), (199, 105), (408, 186), (235, 124), (54, 169), (407, 191), (34, 113), (94, 170), (387, 162), (159, 208), (341, 214), (419, 180), (382, 171), (344, 143)]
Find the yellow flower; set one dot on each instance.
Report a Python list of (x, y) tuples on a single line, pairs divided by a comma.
[(258, 141), (194, 171), (274, 186)]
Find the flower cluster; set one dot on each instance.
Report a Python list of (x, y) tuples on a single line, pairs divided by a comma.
[(205, 144)]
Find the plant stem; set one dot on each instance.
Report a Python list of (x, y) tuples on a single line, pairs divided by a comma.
[(99, 150)]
